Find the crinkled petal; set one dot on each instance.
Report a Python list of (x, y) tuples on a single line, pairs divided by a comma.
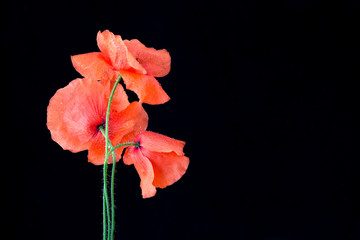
[(124, 126), (94, 65), (160, 143), (156, 62), (147, 88), (76, 111), (120, 99), (116, 52), (113, 48), (96, 153), (73, 113), (144, 168), (168, 167)]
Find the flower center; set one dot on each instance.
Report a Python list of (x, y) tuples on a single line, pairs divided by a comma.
[(100, 126), (138, 146)]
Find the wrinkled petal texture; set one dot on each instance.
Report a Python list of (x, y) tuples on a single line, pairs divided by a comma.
[(160, 143), (156, 62), (76, 111), (116, 52), (129, 123), (147, 88), (166, 157), (94, 65), (168, 167), (145, 170), (137, 64), (123, 126), (71, 117)]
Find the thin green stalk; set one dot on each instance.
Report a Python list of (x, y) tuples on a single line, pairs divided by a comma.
[(107, 142), (109, 225), (108, 114), (104, 218), (112, 183), (122, 145), (106, 207), (112, 197), (112, 229)]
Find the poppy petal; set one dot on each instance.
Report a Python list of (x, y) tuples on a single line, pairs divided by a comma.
[(147, 88), (160, 143), (76, 111), (96, 153), (116, 52), (124, 126), (168, 167), (94, 65), (156, 62), (113, 48), (120, 98), (73, 112), (144, 168)]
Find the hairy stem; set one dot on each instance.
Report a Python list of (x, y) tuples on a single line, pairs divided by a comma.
[(106, 206), (112, 197), (110, 223), (112, 181)]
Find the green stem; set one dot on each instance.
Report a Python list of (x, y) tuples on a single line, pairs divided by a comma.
[(110, 233), (112, 197), (106, 209), (109, 225), (122, 145), (112, 229), (112, 183), (104, 218), (108, 114)]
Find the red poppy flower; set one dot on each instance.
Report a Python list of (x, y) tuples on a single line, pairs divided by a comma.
[(76, 111), (159, 161), (137, 64)]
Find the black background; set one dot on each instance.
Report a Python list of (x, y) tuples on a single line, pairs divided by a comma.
[(265, 94)]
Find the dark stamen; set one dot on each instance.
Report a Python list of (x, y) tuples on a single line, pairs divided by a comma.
[(102, 125), (138, 145)]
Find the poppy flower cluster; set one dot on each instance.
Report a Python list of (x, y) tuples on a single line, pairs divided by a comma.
[(78, 113)]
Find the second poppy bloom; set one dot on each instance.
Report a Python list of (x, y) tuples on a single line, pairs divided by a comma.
[(77, 111)]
